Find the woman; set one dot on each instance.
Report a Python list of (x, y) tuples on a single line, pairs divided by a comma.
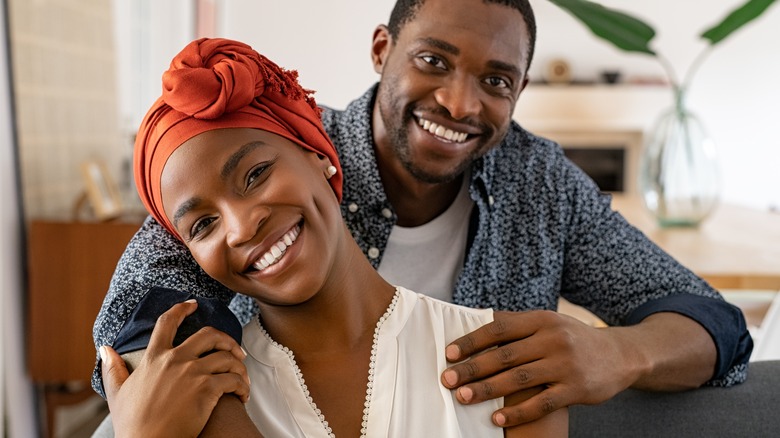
[(233, 161)]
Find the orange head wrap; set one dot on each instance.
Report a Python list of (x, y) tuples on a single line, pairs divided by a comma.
[(220, 83)]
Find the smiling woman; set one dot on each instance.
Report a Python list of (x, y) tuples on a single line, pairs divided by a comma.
[(233, 161)]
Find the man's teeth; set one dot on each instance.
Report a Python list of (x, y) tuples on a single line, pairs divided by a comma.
[(277, 249), (441, 131)]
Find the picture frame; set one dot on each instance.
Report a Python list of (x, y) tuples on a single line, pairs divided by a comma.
[(102, 193)]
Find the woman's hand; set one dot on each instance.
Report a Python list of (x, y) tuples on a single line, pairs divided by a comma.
[(173, 391)]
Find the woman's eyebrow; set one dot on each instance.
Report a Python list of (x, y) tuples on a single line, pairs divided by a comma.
[(233, 160), (184, 209)]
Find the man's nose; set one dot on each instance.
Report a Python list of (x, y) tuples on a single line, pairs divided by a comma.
[(460, 96)]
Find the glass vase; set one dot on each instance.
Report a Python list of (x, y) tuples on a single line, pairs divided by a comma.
[(679, 173)]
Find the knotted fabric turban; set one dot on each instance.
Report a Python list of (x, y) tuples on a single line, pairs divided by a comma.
[(219, 83)]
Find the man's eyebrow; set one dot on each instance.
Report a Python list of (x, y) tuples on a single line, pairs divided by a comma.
[(233, 160), (184, 209), (505, 66), (441, 45)]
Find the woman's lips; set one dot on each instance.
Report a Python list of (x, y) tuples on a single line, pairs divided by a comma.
[(278, 249)]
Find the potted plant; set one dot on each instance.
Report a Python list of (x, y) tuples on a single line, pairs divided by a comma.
[(679, 177)]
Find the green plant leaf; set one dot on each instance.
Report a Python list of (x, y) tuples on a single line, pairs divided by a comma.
[(736, 19), (624, 31)]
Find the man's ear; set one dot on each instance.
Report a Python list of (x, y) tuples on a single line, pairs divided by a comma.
[(380, 47)]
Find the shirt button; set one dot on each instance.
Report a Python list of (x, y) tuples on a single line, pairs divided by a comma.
[(373, 253), (353, 207), (387, 213), (491, 201)]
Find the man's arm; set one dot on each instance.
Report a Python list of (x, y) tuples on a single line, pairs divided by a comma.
[(673, 330)]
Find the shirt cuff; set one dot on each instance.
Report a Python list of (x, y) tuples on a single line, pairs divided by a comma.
[(723, 321)]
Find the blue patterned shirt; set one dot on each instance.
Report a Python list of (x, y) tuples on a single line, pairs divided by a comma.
[(540, 230)]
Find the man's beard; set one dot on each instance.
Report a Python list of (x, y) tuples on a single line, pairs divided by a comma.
[(398, 134)]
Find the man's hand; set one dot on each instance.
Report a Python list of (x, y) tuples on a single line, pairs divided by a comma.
[(173, 391), (574, 362)]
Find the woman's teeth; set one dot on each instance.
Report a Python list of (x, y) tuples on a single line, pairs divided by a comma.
[(277, 249), (441, 131)]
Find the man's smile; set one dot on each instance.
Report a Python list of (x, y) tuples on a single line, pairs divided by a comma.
[(445, 134)]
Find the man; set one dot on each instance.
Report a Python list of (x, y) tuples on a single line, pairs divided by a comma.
[(431, 152)]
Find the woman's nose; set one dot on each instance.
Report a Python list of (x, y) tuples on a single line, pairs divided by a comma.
[(243, 223)]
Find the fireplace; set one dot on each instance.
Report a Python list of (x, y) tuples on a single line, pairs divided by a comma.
[(600, 127), (609, 157)]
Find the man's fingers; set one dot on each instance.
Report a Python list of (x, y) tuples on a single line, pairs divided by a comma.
[(113, 369), (506, 327), (489, 363), (508, 382), (544, 402), (168, 323)]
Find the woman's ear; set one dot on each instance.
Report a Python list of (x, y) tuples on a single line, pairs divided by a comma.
[(327, 167)]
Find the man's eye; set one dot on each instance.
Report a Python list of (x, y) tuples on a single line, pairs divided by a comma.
[(497, 82), (435, 61)]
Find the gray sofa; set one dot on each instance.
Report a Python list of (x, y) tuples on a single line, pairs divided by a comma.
[(751, 409)]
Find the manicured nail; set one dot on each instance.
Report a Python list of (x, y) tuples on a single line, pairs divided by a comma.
[(191, 300), (466, 393), (500, 419), (103, 353), (244, 351), (452, 352), (451, 377)]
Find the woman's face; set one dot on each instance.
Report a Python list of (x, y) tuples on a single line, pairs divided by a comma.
[(256, 212)]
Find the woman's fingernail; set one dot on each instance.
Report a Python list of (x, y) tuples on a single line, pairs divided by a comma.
[(191, 300), (103, 353), (244, 351)]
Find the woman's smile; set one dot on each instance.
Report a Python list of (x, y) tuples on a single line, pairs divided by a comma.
[(277, 250)]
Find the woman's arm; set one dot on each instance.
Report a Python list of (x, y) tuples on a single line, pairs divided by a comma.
[(229, 418), (176, 387)]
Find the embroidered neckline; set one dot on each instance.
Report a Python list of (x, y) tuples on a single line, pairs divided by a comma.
[(371, 368)]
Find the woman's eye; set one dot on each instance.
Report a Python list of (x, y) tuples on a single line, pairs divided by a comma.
[(254, 174), (199, 226)]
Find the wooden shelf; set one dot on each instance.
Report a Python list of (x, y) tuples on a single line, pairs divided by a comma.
[(70, 265)]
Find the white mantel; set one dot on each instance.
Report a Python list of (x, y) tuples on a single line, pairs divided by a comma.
[(597, 108)]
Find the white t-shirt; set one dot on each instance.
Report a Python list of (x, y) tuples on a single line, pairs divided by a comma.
[(429, 258), (406, 398)]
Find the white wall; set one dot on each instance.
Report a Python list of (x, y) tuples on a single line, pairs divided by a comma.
[(736, 92)]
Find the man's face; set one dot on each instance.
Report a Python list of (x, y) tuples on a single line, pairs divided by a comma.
[(449, 86)]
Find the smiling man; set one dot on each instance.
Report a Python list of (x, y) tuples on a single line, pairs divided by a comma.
[(446, 194)]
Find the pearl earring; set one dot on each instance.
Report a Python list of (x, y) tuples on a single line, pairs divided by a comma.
[(331, 170)]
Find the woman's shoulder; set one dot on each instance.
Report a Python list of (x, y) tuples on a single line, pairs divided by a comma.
[(453, 318)]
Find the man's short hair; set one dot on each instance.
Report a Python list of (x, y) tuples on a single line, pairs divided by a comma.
[(404, 11)]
